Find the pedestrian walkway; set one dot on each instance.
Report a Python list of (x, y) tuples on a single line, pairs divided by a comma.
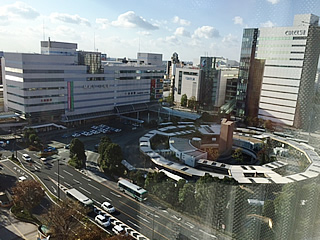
[(13, 229)]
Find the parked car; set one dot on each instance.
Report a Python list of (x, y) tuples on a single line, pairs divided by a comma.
[(67, 146), (102, 220), (119, 230), (22, 178), (108, 207), (26, 157)]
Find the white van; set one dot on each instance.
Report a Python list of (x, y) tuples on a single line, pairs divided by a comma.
[(26, 157)]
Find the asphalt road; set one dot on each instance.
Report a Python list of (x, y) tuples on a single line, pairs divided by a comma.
[(144, 218), (149, 220)]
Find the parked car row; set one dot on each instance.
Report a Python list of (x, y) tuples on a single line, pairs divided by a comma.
[(104, 220), (96, 130)]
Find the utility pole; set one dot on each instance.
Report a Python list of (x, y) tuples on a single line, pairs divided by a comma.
[(58, 179), (153, 224)]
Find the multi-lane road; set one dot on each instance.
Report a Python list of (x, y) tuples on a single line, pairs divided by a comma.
[(151, 221)]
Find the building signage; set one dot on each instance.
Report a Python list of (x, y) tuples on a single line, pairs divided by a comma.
[(190, 78), (295, 32), (96, 86)]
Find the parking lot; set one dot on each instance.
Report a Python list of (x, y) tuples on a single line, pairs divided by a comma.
[(126, 135)]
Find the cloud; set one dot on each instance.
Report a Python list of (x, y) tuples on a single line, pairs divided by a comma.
[(67, 18), (144, 33), (230, 40), (206, 32), (16, 10), (103, 22), (181, 31), (64, 32), (131, 20), (274, 1), (267, 24), (237, 20), (181, 21)]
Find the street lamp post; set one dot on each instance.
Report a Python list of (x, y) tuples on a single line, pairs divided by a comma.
[(153, 223), (58, 179)]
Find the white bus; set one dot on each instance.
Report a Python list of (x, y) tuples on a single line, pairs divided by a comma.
[(133, 190), (78, 196)]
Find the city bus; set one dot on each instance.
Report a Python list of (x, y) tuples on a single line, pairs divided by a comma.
[(81, 198), (133, 190)]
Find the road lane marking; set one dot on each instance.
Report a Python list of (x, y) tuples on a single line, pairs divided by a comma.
[(149, 213), (94, 187), (134, 224), (194, 237), (175, 217), (89, 180), (106, 198), (85, 190), (68, 172), (67, 184), (150, 218), (117, 195), (96, 201), (59, 175), (210, 235), (146, 226), (39, 164), (143, 219), (189, 224), (76, 181), (54, 190)]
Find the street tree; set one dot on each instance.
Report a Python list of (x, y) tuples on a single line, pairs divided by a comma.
[(63, 219), (237, 155), (192, 102), (27, 132), (90, 231), (120, 237), (169, 99), (186, 197), (111, 161), (184, 100), (27, 194), (77, 153), (104, 142)]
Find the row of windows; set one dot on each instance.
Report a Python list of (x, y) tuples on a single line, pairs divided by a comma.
[(136, 71), (190, 73), (32, 97), (274, 38), (281, 38), (280, 45), (39, 104), (42, 71), (282, 59), (285, 66), (36, 89), (138, 78), (279, 52)]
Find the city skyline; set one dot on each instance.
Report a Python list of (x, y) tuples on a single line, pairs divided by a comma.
[(121, 29)]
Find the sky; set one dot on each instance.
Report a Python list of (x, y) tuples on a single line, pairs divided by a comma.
[(192, 28)]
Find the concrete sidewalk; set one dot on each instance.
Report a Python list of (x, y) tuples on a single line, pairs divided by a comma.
[(13, 229)]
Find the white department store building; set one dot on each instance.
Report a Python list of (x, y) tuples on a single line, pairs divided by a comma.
[(62, 84)]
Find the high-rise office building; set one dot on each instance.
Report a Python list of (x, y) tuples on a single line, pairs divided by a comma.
[(288, 70)]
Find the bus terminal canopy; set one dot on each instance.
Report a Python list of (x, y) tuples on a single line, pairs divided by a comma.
[(131, 108), (46, 126), (132, 119), (181, 114)]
